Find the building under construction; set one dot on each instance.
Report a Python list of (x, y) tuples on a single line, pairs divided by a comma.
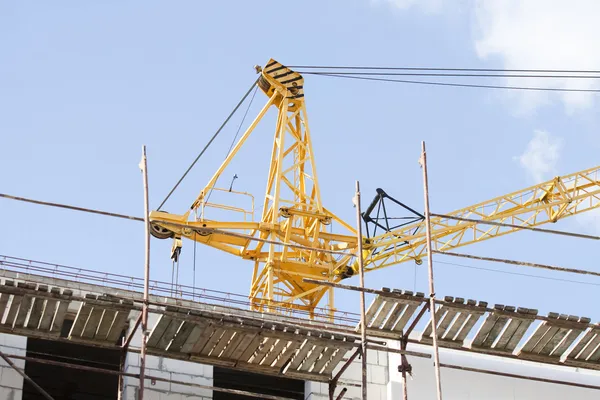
[(73, 333)]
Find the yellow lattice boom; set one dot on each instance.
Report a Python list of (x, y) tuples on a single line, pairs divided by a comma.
[(547, 202)]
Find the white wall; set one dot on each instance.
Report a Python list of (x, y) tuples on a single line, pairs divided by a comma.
[(377, 380), (11, 383), (463, 385)]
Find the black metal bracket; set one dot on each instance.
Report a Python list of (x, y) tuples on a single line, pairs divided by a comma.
[(382, 219)]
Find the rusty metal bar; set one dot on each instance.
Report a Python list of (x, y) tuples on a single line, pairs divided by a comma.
[(124, 348), (25, 376), (137, 376), (131, 333), (144, 168), (516, 376), (68, 207), (529, 228), (519, 263), (436, 354), (397, 351), (333, 382), (404, 365), (341, 395), (412, 326), (361, 270)]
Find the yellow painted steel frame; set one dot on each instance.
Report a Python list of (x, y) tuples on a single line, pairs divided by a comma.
[(294, 215), (292, 210), (547, 202)]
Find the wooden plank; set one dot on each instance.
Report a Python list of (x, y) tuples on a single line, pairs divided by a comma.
[(204, 337), (262, 350), (441, 310), (249, 341), (470, 323), (456, 325), (301, 355), (169, 334), (275, 352), (161, 325), (583, 342), (445, 322), (232, 345), (81, 319), (372, 310), (382, 314), (521, 329), (4, 299), (547, 337), (223, 342), (535, 337), (406, 315), (571, 337), (587, 351), (308, 363), (553, 344), (37, 309), (394, 315), (14, 306), (323, 360), (595, 356), (91, 326), (117, 326), (61, 312), (181, 336), (495, 331), (24, 308), (508, 333), (335, 360), (106, 321), (190, 342), (212, 341), (487, 327), (251, 348), (287, 353)]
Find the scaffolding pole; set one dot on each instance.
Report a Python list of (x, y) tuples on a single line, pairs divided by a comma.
[(436, 354), (361, 269), (26, 377), (144, 168)]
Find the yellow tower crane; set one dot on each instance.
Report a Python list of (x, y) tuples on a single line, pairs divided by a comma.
[(294, 238)]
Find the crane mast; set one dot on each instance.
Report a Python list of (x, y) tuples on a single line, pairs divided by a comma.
[(297, 237)]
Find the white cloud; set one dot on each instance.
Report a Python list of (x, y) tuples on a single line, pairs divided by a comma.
[(531, 34), (542, 34), (541, 155)]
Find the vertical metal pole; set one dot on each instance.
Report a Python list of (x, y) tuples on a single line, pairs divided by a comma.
[(436, 354), (404, 364), (361, 270), (27, 378), (144, 167)]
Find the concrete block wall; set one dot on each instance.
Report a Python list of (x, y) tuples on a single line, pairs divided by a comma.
[(11, 383), (377, 379), (165, 368)]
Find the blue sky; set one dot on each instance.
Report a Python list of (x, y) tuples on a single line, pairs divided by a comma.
[(84, 84)]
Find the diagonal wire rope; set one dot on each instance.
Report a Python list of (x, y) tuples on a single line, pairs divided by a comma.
[(466, 85), (235, 137), (208, 144), (444, 74), (380, 68)]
